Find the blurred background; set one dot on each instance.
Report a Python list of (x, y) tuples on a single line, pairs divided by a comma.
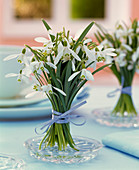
[(20, 20)]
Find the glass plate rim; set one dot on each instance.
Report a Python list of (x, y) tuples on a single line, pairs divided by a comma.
[(94, 151), (19, 163), (108, 116)]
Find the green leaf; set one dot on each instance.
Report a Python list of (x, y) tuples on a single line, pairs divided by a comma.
[(51, 59), (102, 29), (58, 70), (36, 53), (46, 25), (116, 72), (97, 37), (66, 82), (100, 35), (105, 33), (101, 68), (90, 64), (82, 83), (83, 34)]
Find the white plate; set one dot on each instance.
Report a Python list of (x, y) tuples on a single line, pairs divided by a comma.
[(31, 108), (21, 100), (26, 112)]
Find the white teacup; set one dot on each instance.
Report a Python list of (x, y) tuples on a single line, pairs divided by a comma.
[(9, 87)]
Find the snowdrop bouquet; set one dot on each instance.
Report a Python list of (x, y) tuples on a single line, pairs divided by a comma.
[(59, 70), (125, 40)]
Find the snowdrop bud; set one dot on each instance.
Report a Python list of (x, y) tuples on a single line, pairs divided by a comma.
[(24, 51)]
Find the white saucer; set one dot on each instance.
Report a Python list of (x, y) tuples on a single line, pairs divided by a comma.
[(34, 107), (25, 108), (20, 101), (28, 111)]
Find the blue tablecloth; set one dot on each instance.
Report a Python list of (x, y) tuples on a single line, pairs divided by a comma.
[(13, 135)]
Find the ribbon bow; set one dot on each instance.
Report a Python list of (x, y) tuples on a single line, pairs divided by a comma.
[(61, 118), (125, 90)]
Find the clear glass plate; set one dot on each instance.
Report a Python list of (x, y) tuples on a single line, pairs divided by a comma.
[(10, 163), (103, 116), (88, 149)]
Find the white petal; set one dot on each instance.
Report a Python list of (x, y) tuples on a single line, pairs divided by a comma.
[(111, 54), (27, 71), (32, 94), (88, 75), (89, 53), (109, 60), (46, 70), (121, 56), (59, 90), (73, 66), (130, 40), (10, 57), (60, 47), (11, 75), (68, 45), (75, 55), (73, 75), (78, 49), (130, 67), (100, 47), (87, 41), (109, 49), (134, 57), (58, 57), (123, 63), (41, 39), (51, 65), (127, 47)]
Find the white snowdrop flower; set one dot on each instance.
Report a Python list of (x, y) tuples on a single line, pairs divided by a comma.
[(20, 77), (84, 74), (73, 64), (91, 57), (22, 58), (135, 55), (121, 60), (126, 47), (87, 75), (48, 89), (78, 49), (63, 51), (109, 52), (41, 40), (46, 42), (130, 67), (87, 41), (124, 33), (108, 59), (36, 65)]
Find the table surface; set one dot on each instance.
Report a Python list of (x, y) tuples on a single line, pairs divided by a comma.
[(14, 133)]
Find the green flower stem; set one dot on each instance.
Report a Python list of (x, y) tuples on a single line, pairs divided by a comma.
[(60, 134), (124, 106)]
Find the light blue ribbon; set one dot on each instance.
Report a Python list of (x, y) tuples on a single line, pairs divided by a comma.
[(61, 118), (125, 90)]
